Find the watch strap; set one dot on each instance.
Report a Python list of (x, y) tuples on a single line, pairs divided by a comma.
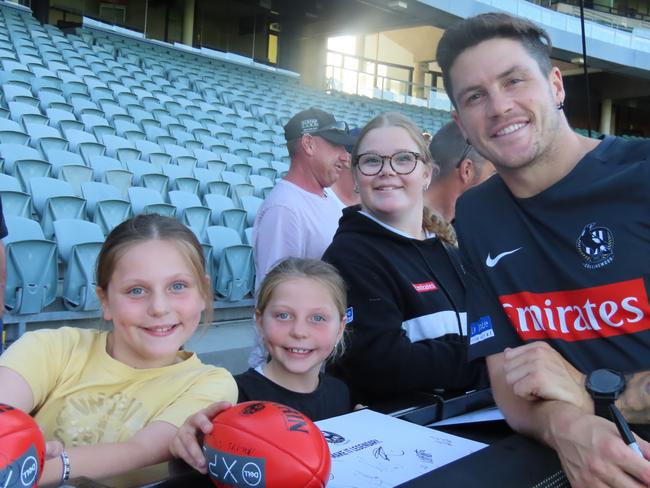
[(601, 407)]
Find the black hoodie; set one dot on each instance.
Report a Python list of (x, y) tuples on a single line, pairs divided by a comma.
[(407, 321)]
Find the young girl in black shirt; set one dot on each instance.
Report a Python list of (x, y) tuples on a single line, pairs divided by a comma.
[(301, 316)]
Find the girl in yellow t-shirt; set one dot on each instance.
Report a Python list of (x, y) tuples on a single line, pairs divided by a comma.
[(112, 401)]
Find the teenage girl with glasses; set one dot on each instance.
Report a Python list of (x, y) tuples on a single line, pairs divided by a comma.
[(405, 285)]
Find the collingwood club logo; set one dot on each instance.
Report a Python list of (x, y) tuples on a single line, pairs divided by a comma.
[(596, 246), (333, 437)]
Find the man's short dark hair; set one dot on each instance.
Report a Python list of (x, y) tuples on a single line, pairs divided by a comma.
[(448, 146), (472, 31)]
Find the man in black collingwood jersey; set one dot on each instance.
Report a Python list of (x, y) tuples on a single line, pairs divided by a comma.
[(556, 251)]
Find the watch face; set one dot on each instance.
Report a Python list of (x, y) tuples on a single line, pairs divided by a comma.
[(605, 381)]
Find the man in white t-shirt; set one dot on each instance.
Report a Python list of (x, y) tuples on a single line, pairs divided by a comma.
[(299, 218)]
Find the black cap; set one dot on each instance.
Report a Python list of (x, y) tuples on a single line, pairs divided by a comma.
[(320, 123)]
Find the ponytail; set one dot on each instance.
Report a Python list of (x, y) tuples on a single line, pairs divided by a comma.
[(434, 223)]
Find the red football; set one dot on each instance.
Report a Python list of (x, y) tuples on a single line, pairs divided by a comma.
[(266, 444), (22, 448)]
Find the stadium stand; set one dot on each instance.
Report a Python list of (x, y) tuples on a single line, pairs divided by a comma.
[(99, 126)]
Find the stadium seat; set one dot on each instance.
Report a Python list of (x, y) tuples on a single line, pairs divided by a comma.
[(45, 82), (15, 202), (218, 188), (155, 132), (233, 178), (207, 254), (248, 236), (97, 125), (190, 211), (76, 174), (153, 152), (63, 119), (280, 153), (158, 158), (203, 156), (257, 164), (101, 164), (235, 218), (146, 200), (24, 163), (45, 138), (120, 148), (230, 160), (149, 176), (72, 87), (242, 169), (260, 182), (12, 133), (176, 151), (263, 153), (113, 111), (119, 178), (79, 243), (280, 167), (31, 264), (52, 99), (270, 173), (211, 143), (217, 204), (216, 166), (181, 178), (94, 191), (236, 273), (205, 176), (11, 152), (237, 192), (53, 200), (25, 113), (59, 158), (220, 237), (251, 204), (13, 136), (110, 213), (240, 149)]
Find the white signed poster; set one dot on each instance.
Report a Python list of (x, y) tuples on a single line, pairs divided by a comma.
[(370, 449)]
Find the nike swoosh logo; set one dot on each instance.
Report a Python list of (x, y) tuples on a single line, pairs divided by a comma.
[(492, 262)]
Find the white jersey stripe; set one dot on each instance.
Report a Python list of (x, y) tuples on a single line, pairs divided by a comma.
[(434, 325)]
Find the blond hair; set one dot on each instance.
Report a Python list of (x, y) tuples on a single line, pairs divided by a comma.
[(147, 227), (431, 221), (313, 269)]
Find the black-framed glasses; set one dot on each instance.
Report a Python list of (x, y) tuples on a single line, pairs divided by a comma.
[(463, 155), (403, 162), (338, 126)]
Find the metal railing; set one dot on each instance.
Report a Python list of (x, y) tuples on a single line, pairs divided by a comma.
[(377, 79), (619, 18), (372, 85)]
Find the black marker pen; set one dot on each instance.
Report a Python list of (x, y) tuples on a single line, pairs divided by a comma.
[(624, 429)]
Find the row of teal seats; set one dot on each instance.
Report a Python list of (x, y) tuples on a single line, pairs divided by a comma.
[(33, 270), (52, 199), (118, 129)]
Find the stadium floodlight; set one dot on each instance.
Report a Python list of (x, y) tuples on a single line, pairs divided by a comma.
[(398, 4)]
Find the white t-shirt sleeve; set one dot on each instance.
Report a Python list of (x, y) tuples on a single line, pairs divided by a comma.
[(278, 235)]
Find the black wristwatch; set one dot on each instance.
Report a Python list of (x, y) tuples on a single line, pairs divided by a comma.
[(604, 386)]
